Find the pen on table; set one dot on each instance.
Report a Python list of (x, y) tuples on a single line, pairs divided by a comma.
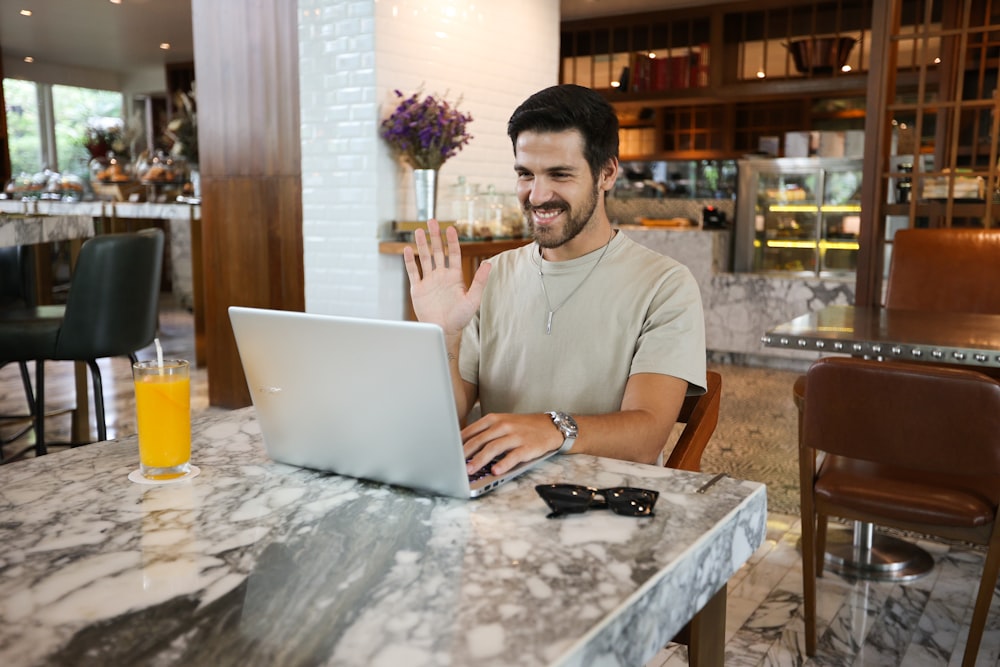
[(710, 483)]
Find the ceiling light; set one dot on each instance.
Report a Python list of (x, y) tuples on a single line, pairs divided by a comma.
[(29, 59), (116, 2), (165, 46), (25, 12)]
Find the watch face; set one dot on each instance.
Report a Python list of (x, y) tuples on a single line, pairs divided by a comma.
[(566, 424)]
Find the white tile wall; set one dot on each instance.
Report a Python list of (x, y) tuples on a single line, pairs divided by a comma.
[(490, 53)]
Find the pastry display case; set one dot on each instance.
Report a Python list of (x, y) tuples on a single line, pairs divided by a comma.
[(798, 216)]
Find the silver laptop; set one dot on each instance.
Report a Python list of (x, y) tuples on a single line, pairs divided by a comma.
[(359, 397)]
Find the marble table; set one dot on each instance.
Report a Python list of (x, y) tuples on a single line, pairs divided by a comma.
[(256, 563), (966, 339), (23, 229)]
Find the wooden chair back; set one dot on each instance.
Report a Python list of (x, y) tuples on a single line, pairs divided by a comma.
[(700, 415)]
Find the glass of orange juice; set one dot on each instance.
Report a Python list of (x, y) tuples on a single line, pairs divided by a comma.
[(163, 412)]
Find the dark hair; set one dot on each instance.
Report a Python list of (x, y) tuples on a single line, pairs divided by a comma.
[(570, 107)]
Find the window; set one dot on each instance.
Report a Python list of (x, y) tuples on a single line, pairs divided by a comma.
[(23, 127), (47, 124), (74, 110)]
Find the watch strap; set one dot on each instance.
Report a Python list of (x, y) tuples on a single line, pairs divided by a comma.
[(567, 426)]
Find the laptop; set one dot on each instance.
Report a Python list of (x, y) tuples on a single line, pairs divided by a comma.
[(365, 398)]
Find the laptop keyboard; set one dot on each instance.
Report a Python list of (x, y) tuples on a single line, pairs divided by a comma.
[(484, 471)]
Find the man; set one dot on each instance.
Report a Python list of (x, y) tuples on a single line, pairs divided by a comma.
[(583, 340)]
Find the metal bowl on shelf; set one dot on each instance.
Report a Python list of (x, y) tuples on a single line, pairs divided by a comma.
[(820, 55)]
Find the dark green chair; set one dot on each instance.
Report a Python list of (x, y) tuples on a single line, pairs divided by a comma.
[(17, 291), (111, 310)]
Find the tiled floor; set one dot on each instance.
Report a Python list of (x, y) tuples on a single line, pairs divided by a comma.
[(860, 623)]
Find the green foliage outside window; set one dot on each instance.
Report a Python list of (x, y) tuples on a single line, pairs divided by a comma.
[(75, 109), (22, 126)]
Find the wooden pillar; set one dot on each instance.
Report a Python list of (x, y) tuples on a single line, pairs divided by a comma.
[(246, 68), (878, 135)]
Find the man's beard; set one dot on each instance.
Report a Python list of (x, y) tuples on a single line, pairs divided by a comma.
[(550, 237)]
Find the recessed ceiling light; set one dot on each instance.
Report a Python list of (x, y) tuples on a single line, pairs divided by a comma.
[(165, 46), (25, 12), (116, 2), (29, 59)]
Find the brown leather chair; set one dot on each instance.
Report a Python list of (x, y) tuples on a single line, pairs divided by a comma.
[(700, 415), (941, 270), (945, 270), (907, 445)]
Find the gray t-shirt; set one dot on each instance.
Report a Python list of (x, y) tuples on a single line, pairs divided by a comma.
[(638, 312)]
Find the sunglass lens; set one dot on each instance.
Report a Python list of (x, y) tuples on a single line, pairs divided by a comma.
[(566, 498), (631, 501)]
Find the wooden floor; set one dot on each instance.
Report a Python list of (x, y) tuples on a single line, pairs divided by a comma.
[(861, 623)]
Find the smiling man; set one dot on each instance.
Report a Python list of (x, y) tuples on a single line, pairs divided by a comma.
[(584, 340)]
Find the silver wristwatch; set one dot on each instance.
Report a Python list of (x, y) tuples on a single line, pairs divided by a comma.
[(567, 426)]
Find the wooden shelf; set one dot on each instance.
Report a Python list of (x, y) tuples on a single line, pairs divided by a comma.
[(925, 208)]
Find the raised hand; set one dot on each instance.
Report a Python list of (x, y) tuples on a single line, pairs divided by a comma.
[(437, 288)]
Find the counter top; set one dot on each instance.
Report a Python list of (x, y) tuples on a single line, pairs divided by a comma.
[(19, 229), (98, 209), (256, 563)]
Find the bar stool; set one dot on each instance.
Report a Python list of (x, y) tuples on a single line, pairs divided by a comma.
[(111, 310)]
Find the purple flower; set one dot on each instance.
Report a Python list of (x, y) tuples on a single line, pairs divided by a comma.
[(425, 133)]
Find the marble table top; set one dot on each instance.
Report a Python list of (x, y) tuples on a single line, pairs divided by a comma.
[(31, 229), (257, 563), (98, 209)]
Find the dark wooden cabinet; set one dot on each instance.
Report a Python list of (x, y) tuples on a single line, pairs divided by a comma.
[(710, 82)]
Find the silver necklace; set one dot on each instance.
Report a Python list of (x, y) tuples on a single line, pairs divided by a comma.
[(541, 278)]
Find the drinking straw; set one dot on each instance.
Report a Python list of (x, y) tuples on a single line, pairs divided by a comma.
[(159, 352)]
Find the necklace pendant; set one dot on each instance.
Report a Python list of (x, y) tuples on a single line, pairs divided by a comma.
[(548, 324)]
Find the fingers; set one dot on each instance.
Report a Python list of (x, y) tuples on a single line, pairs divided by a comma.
[(454, 249), (431, 250), (437, 248), (475, 290), (495, 435), (410, 262)]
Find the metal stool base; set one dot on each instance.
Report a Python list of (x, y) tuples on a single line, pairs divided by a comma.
[(888, 559)]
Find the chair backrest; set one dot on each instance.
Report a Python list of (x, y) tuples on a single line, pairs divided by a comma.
[(952, 270), (700, 415), (113, 299), (908, 415), (17, 283)]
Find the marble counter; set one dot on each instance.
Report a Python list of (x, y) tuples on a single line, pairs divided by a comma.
[(32, 229), (740, 307), (256, 563), (181, 218)]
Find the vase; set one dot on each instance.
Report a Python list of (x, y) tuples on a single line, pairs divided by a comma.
[(425, 189)]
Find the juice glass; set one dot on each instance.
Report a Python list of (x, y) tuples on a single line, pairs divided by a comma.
[(163, 412)]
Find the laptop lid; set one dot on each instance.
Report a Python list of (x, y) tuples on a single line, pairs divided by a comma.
[(365, 398)]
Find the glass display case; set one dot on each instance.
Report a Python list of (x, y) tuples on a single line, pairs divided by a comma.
[(798, 216)]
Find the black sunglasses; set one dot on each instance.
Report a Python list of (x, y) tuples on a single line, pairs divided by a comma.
[(573, 499)]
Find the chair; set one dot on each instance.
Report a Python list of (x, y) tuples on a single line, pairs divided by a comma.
[(17, 292), (111, 310), (940, 270), (700, 415), (907, 445), (945, 270)]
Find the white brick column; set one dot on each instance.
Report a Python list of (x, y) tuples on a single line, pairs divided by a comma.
[(353, 53)]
